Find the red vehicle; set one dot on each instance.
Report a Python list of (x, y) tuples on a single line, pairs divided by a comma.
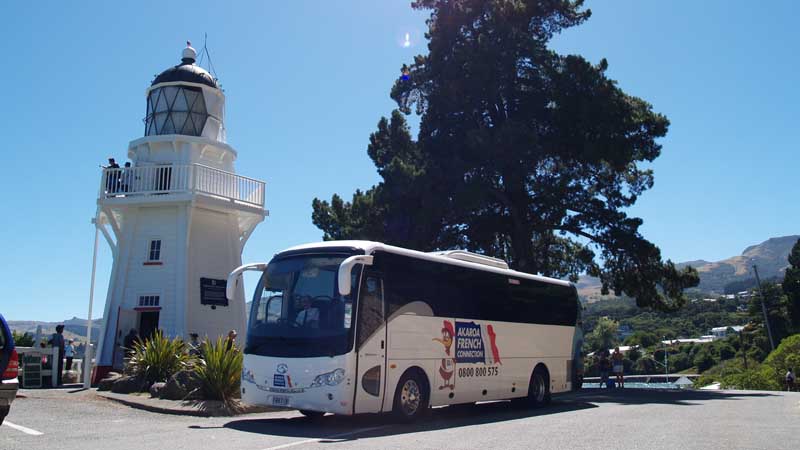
[(9, 368)]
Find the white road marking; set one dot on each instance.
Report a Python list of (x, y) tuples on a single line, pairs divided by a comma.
[(25, 430), (335, 436)]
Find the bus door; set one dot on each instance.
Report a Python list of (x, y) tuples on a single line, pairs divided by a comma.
[(371, 345)]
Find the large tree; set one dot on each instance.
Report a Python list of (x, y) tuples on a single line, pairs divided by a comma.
[(522, 154), (791, 286)]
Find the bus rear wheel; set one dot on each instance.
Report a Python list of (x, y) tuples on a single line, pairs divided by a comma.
[(539, 388), (411, 397), (311, 414)]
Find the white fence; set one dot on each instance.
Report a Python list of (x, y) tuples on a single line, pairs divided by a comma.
[(172, 179)]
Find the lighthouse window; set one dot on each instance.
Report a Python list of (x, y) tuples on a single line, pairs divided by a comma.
[(149, 300), (155, 250), (175, 110)]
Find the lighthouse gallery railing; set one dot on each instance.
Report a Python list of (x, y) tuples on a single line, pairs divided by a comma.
[(175, 179)]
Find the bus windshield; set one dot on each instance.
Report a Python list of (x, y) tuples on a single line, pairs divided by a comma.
[(297, 310)]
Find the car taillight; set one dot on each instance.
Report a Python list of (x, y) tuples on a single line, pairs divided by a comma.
[(12, 371)]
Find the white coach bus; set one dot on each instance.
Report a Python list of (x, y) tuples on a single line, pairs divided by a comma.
[(351, 327)]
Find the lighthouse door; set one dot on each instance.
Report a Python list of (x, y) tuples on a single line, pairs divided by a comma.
[(371, 345)]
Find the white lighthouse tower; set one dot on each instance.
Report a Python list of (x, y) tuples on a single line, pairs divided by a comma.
[(177, 219)]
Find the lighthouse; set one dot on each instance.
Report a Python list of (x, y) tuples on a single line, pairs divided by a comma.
[(176, 218)]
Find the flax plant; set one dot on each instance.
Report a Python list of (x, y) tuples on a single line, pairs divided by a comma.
[(219, 370), (159, 357)]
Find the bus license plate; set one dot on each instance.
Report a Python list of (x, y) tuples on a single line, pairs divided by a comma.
[(280, 400)]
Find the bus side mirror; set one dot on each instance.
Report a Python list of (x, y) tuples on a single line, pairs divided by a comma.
[(236, 275), (345, 270)]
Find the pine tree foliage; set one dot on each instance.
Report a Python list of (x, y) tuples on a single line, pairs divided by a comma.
[(791, 286), (522, 154)]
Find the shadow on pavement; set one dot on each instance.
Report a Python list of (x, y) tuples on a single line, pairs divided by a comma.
[(330, 426), (633, 396)]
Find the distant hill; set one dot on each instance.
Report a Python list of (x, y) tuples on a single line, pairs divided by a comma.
[(771, 257), (74, 328), (729, 275)]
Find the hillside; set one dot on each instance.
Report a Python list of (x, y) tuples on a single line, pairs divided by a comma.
[(74, 328), (770, 256), (727, 276)]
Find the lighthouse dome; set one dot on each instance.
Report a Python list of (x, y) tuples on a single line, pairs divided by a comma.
[(185, 99), (186, 71)]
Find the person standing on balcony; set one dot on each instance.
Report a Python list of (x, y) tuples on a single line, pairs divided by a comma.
[(112, 176), (127, 177)]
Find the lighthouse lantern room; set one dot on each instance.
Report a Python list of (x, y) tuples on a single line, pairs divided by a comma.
[(177, 218)]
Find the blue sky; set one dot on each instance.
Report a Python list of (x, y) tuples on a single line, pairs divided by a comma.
[(307, 81)]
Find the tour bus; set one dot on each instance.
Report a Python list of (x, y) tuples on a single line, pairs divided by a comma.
[(351, 327)]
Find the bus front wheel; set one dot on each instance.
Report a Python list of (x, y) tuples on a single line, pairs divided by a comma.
[(411, 397)]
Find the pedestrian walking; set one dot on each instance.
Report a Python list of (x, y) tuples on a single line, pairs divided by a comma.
[(790, 378)]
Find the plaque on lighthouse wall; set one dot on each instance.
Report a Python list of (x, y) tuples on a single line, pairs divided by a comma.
[(212, 292)]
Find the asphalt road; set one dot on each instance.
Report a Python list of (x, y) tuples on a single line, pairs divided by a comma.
[(596, 419)]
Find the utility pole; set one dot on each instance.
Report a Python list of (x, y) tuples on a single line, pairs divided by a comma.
[(87, 354), (764, 308)]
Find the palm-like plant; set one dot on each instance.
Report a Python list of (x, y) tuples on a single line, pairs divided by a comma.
[(159, 357), (219, 370)]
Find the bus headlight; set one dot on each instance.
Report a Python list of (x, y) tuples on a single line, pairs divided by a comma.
[(329, 378)]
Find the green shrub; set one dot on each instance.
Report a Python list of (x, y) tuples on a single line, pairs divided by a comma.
[(679, 362), (759, 378), (22, 339), (158, 358), (645, 366), (704, 360), (726, 351), (785, 356), (220, 371)]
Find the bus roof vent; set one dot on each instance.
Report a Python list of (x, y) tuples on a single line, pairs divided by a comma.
[(464, 255)]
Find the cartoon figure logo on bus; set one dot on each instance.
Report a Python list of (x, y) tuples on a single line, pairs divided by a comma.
[(447, 368)]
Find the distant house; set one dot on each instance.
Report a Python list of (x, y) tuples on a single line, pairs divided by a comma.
[(679, 341), (722, 332), (622, 349)]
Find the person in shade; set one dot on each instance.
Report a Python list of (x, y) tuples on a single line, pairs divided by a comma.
[(604, 365), (617, 367), (194, 344), (129, 341), (69, 353), (790, 379), (230, 341), (57, 341)]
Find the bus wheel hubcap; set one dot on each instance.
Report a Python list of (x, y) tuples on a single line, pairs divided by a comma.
[(409, 397)]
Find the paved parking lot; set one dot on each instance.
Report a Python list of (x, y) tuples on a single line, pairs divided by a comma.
[(589, 420)]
